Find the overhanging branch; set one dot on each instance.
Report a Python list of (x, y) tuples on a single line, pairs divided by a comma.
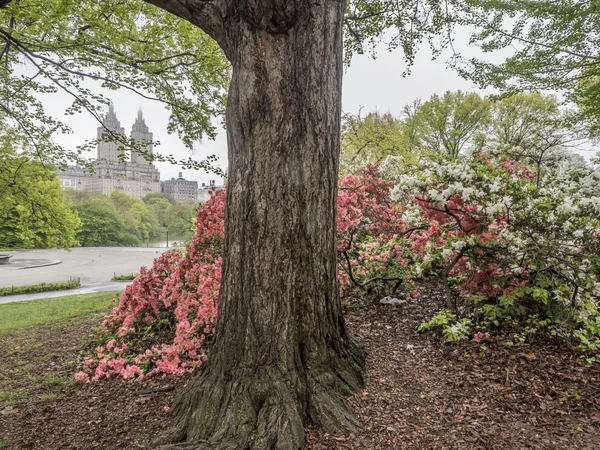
[(208, 15)]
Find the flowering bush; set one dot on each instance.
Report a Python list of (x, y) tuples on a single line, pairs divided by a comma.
[(372, 236), (519, 247), (174, 301)]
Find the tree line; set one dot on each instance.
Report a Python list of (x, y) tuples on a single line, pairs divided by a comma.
[(528, 127), (122, 220), (35, 212)]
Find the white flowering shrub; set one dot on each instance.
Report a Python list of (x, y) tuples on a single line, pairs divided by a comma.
[(516, 244)]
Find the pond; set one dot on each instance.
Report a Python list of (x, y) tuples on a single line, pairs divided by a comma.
[(162, 241)]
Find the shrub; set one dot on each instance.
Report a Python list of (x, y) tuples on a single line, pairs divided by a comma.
[(164, 317), (127, 277), (519, 247)]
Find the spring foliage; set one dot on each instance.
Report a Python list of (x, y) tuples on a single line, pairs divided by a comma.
[(33, 210), (518, 250)]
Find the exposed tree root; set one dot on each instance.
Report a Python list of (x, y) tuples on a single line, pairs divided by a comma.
[(265, 409)]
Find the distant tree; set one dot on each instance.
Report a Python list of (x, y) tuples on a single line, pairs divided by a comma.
[(445, 125), (411, 125), (450, 124), (180, 219), (529, 128), (102, 226), (587, 97), (159, 195), (33, 211), (373, 138), (139, 219), (143, 219), (160, 206), (146, 222)]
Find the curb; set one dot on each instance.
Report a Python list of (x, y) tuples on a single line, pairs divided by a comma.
[(49, 263)]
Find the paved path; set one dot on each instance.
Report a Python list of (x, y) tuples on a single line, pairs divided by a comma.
[(26, 263), (94, 266), (114, 286)]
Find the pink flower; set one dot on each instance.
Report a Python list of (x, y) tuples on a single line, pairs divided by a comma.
[(480, 337), (82, 377)]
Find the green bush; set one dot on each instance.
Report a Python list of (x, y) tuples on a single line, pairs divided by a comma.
[(126, 277)]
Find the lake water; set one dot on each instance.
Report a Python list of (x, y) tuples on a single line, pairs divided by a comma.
[(162, 243)]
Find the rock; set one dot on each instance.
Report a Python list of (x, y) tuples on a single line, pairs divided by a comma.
[(392, 301), (9, 410)]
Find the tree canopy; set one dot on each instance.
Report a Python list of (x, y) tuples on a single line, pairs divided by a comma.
[(77, 47), (373, 138), (553, 44), (122, 220), (528, 127)]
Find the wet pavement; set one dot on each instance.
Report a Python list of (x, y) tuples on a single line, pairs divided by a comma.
[(115, 286), (94, 266), (28, 263)]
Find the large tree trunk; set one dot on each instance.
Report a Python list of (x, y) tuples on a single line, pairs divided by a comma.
[(282, 358)]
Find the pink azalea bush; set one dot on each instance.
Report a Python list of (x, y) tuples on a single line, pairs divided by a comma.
[(372, 237), (165, 316)]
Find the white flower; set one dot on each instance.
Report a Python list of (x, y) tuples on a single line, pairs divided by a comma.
[(466, 194), (458, 246), (446, 253), (496, 185), (493, 210)]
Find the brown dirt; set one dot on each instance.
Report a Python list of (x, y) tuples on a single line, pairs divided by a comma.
[(420, 393)]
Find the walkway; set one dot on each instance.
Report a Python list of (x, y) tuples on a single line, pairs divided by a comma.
[(94, 266), (114, 286)]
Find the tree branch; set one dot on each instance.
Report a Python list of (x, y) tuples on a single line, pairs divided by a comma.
[(208, 15), (370, 280)]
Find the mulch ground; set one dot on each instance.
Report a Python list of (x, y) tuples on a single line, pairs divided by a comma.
[(420, 393)]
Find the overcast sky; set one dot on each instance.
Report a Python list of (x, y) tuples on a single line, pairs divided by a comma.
[(368, 84)]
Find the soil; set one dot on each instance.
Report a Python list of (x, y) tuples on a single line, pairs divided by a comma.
[(420, 393)]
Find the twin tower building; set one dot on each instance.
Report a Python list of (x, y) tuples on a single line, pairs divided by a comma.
[(134, 176), (137, 176)]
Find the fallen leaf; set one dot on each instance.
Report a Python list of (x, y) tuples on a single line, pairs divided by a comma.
[(9, 410), (529, 356)]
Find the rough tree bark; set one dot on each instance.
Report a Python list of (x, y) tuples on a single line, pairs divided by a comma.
[(282, 358)]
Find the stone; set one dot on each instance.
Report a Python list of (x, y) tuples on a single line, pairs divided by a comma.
[(392, 301), (4, 258)]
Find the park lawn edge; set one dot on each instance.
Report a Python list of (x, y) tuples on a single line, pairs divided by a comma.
[(40, 287), (25, 314)]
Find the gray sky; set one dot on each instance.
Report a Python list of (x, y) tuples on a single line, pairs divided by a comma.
[(371, 84)]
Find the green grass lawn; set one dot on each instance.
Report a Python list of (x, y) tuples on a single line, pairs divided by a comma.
[(18, 315)]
